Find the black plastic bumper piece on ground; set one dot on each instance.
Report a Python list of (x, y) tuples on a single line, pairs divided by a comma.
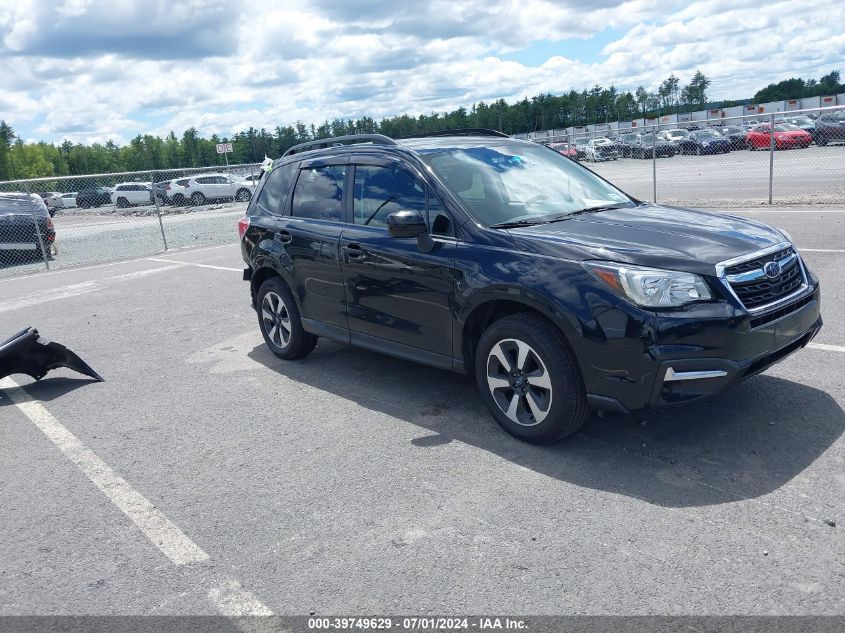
[(27, 353)]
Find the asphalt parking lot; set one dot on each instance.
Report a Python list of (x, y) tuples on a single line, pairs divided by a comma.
[(207, 476)]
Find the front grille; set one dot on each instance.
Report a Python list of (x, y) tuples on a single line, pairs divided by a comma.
[(762, 291)]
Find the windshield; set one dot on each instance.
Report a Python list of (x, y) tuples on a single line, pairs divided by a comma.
[(511, 182), (707, 134)]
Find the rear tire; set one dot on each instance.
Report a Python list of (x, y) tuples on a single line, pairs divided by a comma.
[(698, 150), (122, 203), (529, 380), (280, 323)]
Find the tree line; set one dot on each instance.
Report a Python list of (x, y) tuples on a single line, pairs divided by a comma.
[(541, 112)]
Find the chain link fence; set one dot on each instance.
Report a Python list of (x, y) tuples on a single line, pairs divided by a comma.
[(784, 158), (77, 220)]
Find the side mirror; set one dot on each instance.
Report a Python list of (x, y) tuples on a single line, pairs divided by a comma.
[(406, 224)]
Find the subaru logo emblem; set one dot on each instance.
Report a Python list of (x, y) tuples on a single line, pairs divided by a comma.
[(772, 270)]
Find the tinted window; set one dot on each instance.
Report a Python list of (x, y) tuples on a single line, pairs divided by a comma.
[(205, 181), (274, 194), (319, 193), (380, 191)]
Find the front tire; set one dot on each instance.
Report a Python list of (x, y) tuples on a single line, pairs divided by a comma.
[(243, 195), (280, 323), (529, 379), (197, 199)]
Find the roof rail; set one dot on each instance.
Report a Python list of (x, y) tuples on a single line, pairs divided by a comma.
[(376, 139), (464, 131)]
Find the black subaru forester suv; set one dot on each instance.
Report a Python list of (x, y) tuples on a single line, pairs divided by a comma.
[(479, 253)]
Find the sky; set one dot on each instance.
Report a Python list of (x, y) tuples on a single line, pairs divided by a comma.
[(93, 70)]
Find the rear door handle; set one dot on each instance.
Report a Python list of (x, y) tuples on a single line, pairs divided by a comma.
[(284, 237), (354, 251)]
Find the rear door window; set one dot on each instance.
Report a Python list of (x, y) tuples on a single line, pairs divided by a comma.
[(318, 193), (274, 194)]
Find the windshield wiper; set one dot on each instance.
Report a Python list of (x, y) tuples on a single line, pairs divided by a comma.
[(516, 223), (603, 207)]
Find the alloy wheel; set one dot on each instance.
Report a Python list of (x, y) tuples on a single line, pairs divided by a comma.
[(519, 382), (276, 319)]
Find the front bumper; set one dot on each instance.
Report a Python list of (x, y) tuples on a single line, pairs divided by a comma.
[(681, 358)]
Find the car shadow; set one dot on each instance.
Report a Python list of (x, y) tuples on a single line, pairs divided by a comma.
[(47, 389), (742, 444)]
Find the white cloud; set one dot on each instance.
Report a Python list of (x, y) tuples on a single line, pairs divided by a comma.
[(97, 69)]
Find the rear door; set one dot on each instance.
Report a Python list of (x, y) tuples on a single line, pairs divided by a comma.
[(397, 296), (309, 236)]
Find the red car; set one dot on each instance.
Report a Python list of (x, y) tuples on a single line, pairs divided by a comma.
[(566, 149), (786, 136)]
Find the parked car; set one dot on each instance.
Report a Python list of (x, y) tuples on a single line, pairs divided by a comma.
[(95, 197), (735, 134), (625, 141), (49, 198), (177, 191), (829, 128), (565, 149), (786, 137), (160, 191), (705, 142), (22, 217), (208, 187), (252, 179), (804, 122), (554, 289), (673, 137), (581, 146), (128, 194), (65, 200), (645, 145), (599, 149)]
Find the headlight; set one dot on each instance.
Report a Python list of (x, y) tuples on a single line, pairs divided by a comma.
[(706, 144), (651, 287)]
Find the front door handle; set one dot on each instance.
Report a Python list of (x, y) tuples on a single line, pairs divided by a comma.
[(354, 251), (284, 237)]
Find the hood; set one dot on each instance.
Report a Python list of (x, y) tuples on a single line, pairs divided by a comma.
[(650, 235)]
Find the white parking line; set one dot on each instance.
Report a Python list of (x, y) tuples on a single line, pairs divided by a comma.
[(173, 261), (826, 347), (172, 542), (232, 600)]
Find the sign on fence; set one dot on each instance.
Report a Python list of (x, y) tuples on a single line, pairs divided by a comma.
[(224, 148)]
